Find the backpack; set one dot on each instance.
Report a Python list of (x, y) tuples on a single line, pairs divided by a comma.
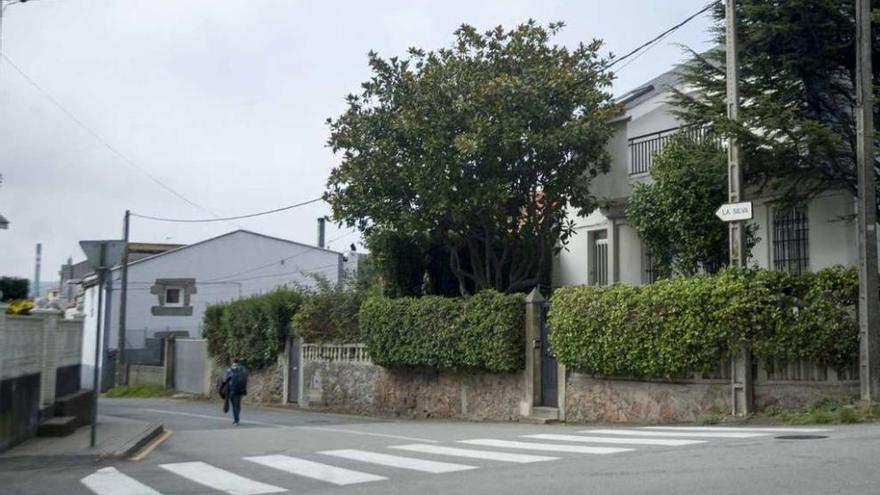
[(237, 377)]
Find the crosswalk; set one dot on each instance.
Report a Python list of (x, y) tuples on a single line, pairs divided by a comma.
[(423, 458)]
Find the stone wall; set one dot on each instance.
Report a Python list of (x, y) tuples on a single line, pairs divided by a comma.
[(144, 374), (265, 386), (589, 399), (363, 388)]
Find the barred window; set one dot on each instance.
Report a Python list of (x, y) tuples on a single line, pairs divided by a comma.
[(791, 247), (649, 270)]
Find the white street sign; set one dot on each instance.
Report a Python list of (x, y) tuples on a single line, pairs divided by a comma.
[(735, 212)]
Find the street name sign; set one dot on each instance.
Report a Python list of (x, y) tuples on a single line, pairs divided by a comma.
[(735, 212)]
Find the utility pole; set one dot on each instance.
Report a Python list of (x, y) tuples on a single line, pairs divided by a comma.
[(869, 305), (121, 371), (741, 366), (37, 262)]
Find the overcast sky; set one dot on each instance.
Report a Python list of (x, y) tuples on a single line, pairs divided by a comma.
[(226, 101)]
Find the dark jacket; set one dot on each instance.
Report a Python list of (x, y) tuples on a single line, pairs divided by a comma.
[(236, 379)]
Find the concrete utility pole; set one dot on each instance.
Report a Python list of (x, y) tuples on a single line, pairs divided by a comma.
[(37, 262), (869, 305), (741, 367), (121, 371)]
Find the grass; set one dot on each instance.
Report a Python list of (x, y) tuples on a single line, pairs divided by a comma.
[(143, 391), (828, 411)]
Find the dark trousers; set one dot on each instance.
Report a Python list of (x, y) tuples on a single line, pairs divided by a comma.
[(235, 399)]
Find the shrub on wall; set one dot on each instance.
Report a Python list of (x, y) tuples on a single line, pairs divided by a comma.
[(691, 324), (20, 307), (329, 313), (484, 332), (253, 328)]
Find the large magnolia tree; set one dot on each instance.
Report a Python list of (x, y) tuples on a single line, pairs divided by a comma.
[(483, 146)]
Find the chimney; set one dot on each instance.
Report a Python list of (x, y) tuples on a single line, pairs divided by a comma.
[(321, 228)]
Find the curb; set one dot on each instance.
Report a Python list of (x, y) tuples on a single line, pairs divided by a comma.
[(133, 446)]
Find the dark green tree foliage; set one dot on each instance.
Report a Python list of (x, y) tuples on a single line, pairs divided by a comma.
[(675, 213), (682, 325), (484, 332), (411, 264), (797, 65), (14, 288), (481, 146), (253, 329)]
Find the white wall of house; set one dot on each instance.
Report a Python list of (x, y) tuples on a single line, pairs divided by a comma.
[(830, 216), (238, 264)]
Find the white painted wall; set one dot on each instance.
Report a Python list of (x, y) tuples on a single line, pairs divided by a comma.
[(238, 264)]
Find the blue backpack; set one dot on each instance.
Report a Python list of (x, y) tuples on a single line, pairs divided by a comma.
[(237, 377)]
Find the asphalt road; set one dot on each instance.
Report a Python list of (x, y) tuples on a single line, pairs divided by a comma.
[(280, 451)]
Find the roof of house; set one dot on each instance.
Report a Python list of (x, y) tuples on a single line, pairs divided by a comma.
[(650, 89), (257, 234)]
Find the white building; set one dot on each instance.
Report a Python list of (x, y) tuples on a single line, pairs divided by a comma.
[(607, 250), (168, 292)]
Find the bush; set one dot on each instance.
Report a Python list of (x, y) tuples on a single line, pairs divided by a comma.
[(12, 288), (329, 314), (20, 307), (254, 328), (483, 332), (691, 324)]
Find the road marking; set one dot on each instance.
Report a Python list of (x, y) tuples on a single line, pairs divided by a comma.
[(474, 454), (398, 461), (318, 428), (219, 479), (685, 434), (315, 470), (736, 428), (629, 441), (109, 481), (549, 447)]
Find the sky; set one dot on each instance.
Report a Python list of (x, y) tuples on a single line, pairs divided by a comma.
[(226, 101)]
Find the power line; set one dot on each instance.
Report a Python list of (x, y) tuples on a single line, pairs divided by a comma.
[(664, 34), (101, 140), (226, 219)]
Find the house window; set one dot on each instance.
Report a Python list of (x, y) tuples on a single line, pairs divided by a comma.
[(599, 257), (791, 247), (649, 270), (173, 296)]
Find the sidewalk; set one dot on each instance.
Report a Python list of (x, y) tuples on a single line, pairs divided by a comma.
[(116, 437)]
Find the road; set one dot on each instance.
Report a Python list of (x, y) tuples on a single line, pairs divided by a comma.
[(280, 451)]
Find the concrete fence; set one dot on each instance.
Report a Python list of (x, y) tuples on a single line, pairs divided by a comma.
[(40, 360)]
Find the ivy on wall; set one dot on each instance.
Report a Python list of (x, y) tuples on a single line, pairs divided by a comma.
[(691, 324)]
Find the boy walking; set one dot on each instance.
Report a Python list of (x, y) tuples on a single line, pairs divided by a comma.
[(236, 387)]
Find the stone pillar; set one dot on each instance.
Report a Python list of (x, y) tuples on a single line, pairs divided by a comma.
[(532, 375), (743, 387), (170, 359), (49, 357)]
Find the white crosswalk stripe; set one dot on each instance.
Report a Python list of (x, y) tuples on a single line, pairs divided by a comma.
[(398, 461), (219, 479), (109, 481), (474, 454), (546, 447), (669, 442), (683, 434), (315, 470), (736, 428)]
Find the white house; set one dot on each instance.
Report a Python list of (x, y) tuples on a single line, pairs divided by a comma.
[(168, 292), (607, 250)]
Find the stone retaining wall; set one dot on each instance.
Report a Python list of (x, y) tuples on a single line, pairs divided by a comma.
[(363, 388)]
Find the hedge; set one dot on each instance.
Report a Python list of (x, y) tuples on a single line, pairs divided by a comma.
[(253, 329), (692, 324), (484, 332), (329, 313)]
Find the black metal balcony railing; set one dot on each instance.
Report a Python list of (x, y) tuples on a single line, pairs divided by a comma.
[(642, 149)]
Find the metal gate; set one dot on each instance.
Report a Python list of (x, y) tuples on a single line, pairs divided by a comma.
[(549, 368), (191, 366), (294, 362)]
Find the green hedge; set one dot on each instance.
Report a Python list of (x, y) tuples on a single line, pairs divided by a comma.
[(329, 313), (682, 325), (484, 332), (253, 328)]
